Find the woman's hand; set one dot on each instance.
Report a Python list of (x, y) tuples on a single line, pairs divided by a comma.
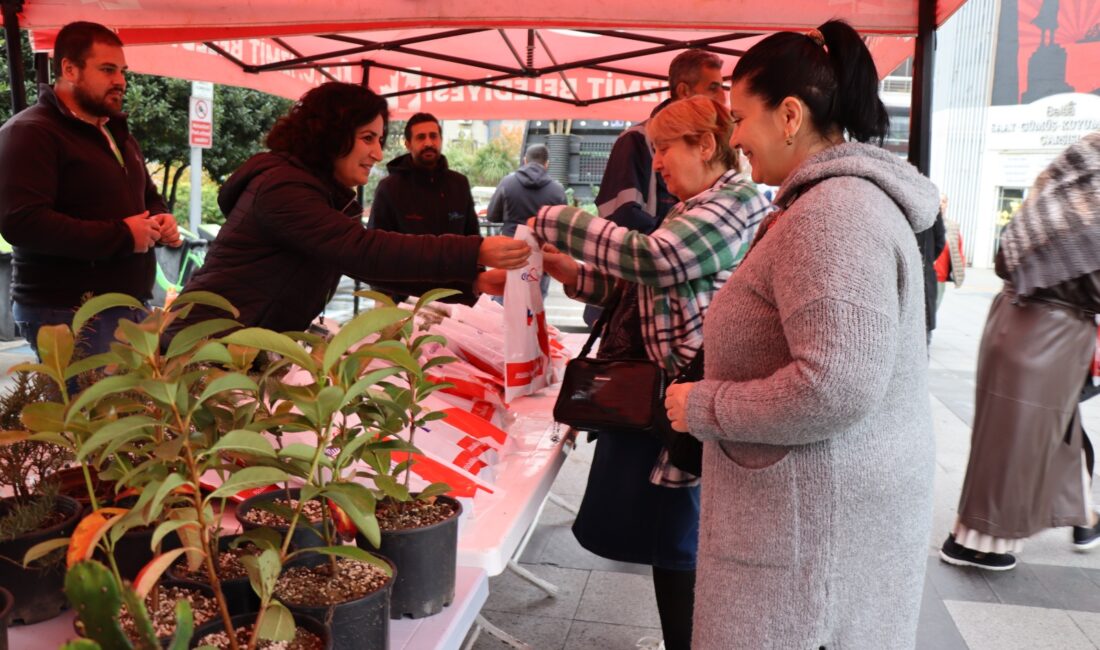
[(491, 282), (559, 266), (500, 252), (531, 224), (676, 399)]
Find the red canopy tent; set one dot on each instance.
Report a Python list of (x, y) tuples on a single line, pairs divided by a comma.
[(491, 58)]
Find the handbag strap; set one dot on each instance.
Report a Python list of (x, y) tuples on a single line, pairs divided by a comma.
[(601, 322)]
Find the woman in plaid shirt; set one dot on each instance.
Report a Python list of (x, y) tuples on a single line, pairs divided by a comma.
[(637, 507)]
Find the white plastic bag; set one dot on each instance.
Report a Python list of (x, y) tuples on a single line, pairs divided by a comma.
[(526, 342)]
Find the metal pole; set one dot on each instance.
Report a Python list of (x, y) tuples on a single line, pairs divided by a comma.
[(920, 112), (42, 68), (11, 9), (195, 212)]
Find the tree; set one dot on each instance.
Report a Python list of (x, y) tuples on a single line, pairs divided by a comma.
[(158, 109), (5, 81), (488, 164)]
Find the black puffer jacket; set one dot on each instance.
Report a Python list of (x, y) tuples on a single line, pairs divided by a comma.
[(418, 201), (289, 235)]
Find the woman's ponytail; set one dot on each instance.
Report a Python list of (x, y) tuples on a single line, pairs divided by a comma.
[(856, 107)]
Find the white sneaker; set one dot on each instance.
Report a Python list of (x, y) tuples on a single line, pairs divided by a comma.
[(650, 643)]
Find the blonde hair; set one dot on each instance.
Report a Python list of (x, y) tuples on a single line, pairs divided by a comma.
[(692, 118)]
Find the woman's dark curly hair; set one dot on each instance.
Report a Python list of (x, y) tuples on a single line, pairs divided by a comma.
[(321, 126)]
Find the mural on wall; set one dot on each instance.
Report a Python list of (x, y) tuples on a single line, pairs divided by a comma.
[(1045, 47)]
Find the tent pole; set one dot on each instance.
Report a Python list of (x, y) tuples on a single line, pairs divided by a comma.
[(920, 112), (42, 68), (11, 9)]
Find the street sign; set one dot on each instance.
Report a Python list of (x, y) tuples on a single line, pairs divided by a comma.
[(201, 120), (204, 89)]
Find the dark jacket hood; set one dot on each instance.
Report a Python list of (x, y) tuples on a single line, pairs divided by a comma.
[(262, 162), (915, 195), (403, 164), (533, 176)]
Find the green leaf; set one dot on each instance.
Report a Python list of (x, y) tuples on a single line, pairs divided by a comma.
[(12, 437), (263, 571), (204, 298), (81, 644), (247, 478), (243, 440), (185, 626), (212, 352), (278, 623), (101, 389), (359, 328), (438, 361), (52, 437), (101, 303), (358, 503), (366, 381), (55, 347), (380, 298), (191, 335), (116, 434), (264, 538), (303, 452), (43, 549), (434, 295), (228, 382), (91, 363), (162, 392), (353, 553), (44, 416), (395, 354), (391, 488), (170, 483), (433, 490), (262, 339), (171, 526), (143, 341)]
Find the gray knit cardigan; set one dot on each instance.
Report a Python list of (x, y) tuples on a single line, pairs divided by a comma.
[(818, 447)]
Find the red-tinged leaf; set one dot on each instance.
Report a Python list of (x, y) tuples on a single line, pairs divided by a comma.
[(88, 533), (344, 525), (151, 572)]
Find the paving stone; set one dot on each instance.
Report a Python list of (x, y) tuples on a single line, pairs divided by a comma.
[(562, 549), (512, 594), (1089, 622), (986, 626), (536, 631), (1020, 586), (958, 583), (619, 598), (936, 630), (1071, 587), (604, 636)]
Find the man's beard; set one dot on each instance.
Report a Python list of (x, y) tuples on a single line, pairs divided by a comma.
[(99, 107), (421, 162)]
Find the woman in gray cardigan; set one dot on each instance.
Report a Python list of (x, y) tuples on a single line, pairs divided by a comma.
[(818, 446)]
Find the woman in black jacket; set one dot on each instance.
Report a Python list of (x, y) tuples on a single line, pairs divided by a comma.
[(293, 225)]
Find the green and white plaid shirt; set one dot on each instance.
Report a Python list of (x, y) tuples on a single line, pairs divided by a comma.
[(679, 266)]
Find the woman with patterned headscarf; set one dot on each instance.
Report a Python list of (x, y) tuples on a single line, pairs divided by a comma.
[(1027, 469)]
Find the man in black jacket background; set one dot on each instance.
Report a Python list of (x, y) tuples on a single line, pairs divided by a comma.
[(421, 196), (76, 201)]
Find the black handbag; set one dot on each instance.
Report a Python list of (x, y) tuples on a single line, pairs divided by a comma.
[(609, 393), (625, 394)]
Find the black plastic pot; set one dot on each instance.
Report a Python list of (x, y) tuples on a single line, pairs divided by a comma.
[(426, 559), (238, 592), (306, 535), (357, 624), (38, 591), (308, 622), (7, 601)]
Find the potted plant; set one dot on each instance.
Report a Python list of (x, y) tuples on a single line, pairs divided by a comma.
[(35, 512), (419, 532), (156, 424)]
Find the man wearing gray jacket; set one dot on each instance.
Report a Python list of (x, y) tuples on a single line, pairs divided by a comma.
[(520, 195)]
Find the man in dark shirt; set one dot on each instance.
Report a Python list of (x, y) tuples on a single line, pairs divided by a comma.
[(76, 201), (421, 196)]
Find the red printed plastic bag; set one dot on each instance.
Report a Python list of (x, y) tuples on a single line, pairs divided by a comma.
[(526, 342)]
